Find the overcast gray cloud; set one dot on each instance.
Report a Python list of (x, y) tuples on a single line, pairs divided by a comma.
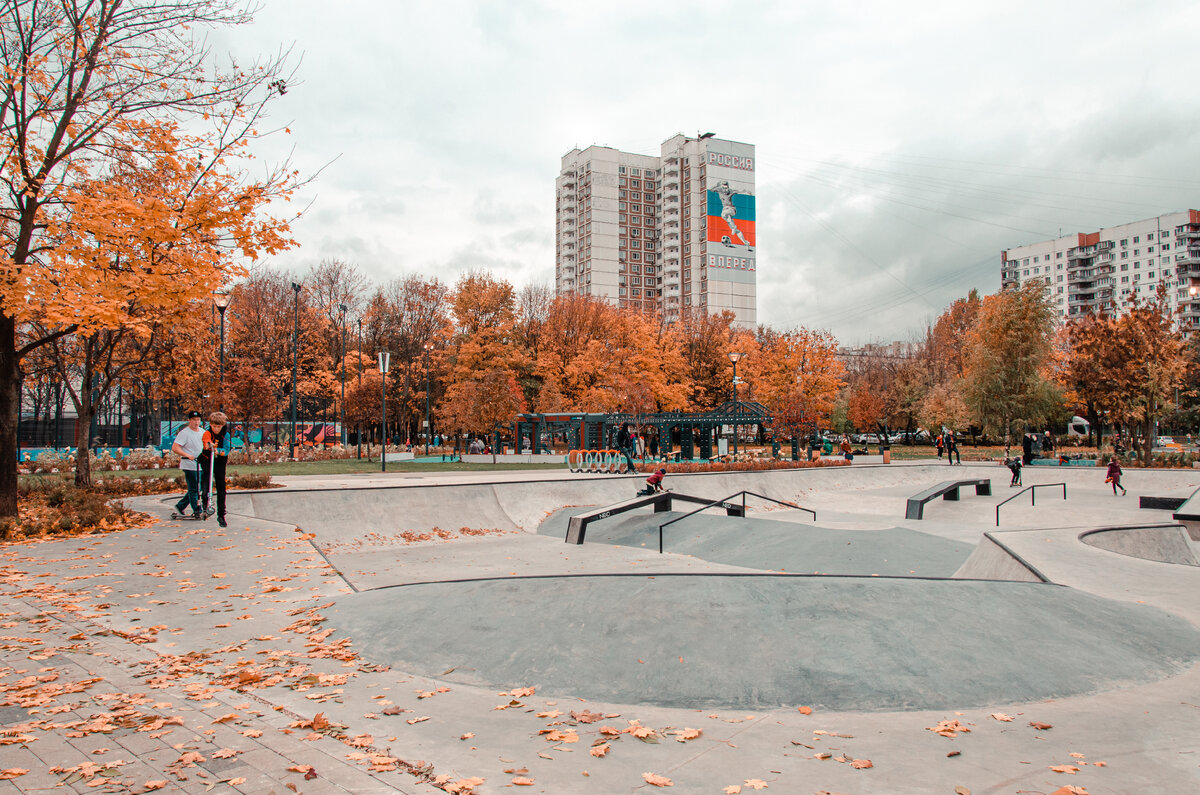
[(901, 147)]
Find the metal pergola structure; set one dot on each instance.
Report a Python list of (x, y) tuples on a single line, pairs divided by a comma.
[(689, 432)]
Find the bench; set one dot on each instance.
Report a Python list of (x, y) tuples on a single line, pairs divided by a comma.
[(947, 491)]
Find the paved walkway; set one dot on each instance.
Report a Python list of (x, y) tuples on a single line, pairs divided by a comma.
[(186, 658)]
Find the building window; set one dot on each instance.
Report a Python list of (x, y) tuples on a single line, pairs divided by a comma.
[(1124, 254), (1165, 246), (1125, 242), (1137, 239), (621, 170), (1058, 255)]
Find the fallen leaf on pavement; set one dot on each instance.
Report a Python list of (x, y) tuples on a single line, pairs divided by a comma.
[(657, 780)]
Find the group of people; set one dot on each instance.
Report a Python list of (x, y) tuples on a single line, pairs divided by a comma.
[(946, 443), (203, 455)]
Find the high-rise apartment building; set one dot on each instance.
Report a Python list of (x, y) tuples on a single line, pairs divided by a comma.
[(1103, 270), (660, 233)]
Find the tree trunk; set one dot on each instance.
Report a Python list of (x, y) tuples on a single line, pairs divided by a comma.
[(83, 427), (10, 416)]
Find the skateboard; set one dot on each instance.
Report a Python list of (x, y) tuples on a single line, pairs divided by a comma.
[(191, 517)]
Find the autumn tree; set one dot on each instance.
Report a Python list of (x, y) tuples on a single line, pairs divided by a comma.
[(105, 195), (1090, 343), (1005, 359), (1148, 364), (797, 377)]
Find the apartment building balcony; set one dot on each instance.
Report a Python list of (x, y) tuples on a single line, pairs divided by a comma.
[(1082, 299), (1103, 258), (1188, 233), (1080, 276), (1190, 257), (1081, 252)]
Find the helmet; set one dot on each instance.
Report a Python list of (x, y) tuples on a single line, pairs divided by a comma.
[(662, 471)]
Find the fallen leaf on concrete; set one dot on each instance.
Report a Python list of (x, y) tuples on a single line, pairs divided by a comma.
[(1040, 726), (948, 728), (961, 791), (862, 764), (756, 783), (657, 780), (586, 716), (804, 710), (1071, 769), (14, 772), (1002, 717), (732, 789), (466, 736), (522, 781)]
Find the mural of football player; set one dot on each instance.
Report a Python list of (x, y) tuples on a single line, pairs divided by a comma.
[(728, 212)]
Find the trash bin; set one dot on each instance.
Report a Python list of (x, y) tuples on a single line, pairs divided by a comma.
[(886, 452)]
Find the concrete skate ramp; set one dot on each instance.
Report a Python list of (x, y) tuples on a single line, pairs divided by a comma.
[(992, 560), (762, 641), (335, 513), (1164, 543), (777, 546)]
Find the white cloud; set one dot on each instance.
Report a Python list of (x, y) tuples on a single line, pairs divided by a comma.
[(900, 146)]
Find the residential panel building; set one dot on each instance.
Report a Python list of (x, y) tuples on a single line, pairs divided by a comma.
[(1104, 270), (660, 233)]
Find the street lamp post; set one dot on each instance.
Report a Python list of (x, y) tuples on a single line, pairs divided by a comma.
[(428, 427), (735, 357), (384, 360), (295, 362), (359, 367), (343, 308), (222, 302)]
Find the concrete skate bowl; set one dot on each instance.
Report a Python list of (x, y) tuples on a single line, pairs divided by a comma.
[(1166, 543), (755, 641)]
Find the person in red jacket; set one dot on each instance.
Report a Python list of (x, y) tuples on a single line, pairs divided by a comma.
[(653, 483), (1114, 476)]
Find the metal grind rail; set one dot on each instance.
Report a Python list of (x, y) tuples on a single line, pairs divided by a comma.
[(724, 503), (1032, 495)]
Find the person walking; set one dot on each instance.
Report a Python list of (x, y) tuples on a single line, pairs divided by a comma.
[(1114, 476), (218, 443), (952, 450), (624, 444), (941, 445), (188, 445)]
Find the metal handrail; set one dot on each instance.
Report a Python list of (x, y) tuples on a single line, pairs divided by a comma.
[(1032, 496), (725, 504)]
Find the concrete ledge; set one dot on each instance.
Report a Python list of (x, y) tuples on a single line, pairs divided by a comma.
[(399, 456), (513, 458)]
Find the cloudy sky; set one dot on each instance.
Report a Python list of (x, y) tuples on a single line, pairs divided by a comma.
[(901, 146)]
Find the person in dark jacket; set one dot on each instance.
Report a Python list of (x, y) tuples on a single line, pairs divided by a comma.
[(952, 450), (1114, 476), (625, 445)]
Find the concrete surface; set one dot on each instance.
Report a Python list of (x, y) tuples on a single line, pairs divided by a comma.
[(133, 650)]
